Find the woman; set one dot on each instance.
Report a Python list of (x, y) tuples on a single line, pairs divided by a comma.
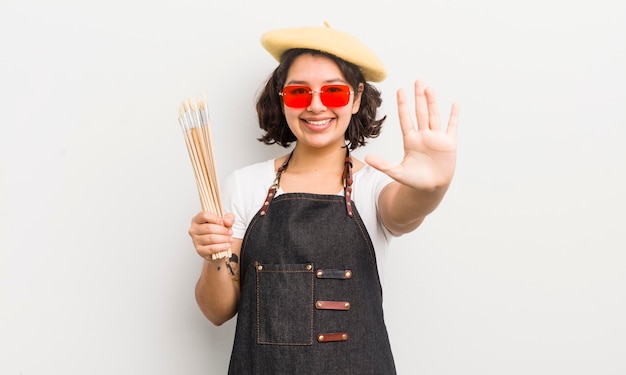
[(309, 230)]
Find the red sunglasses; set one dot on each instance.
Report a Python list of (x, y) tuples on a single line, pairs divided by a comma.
[(302, 96)]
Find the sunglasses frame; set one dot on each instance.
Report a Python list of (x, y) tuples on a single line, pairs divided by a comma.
[(323, 98)]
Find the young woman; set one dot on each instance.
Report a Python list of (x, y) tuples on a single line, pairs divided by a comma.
[(309, 230)]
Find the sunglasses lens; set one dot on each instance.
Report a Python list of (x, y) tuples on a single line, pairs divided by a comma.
[(335, 95), (330, 95), (297, 96)]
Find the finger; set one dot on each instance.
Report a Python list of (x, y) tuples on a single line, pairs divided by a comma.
[(213, 238), (207, 228), (207, 251), (206, 217), (406, 122), (454, 120), (229, 220), (384, 166), (205, 233), (421, 106), (433, 111), (378, 163)]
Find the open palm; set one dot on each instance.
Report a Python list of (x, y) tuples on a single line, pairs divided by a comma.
[(429, 151)]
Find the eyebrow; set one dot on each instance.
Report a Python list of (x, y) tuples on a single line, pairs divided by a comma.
[(305, 83)]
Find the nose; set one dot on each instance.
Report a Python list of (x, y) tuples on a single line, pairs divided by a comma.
[(316, 105)]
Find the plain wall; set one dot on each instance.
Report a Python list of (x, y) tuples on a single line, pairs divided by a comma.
[(522, 269)]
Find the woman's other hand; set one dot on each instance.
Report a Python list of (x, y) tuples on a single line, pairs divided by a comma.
[(211, 234)]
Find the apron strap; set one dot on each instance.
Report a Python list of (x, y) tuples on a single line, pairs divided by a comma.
[(271, 193), (347, 182), (346, 177)]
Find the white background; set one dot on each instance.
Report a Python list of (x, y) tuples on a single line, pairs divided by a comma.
[(521, 270)]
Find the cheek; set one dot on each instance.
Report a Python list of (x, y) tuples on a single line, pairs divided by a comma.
[(290, 113), (291, 116)]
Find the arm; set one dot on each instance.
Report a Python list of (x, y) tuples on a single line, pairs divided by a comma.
[(425, 173), (217, 290)]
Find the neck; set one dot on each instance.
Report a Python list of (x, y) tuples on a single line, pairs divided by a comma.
[(317, 159)]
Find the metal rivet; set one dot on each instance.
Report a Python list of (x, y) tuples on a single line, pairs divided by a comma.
[(259, 267), (348, 274), (320, 273), (347, 305), (344, 336), (309, 267), (262, 213), (319, 304), (320, 338)]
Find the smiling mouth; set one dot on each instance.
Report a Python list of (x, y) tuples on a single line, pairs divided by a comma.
[(318, 123)]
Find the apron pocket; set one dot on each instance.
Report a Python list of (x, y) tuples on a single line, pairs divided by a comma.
[(284, 297)]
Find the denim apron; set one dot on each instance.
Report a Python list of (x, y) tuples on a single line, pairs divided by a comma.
[(311, 299)]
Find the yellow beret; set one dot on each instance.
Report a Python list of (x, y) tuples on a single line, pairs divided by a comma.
[(329, 40)]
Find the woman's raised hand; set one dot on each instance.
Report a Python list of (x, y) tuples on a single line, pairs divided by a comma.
[(429, 150)]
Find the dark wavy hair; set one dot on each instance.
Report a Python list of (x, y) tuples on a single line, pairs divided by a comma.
[(269, 106)]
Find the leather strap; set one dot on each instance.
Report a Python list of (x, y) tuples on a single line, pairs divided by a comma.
[(332, 305), (332, 337), (271, 193), (347, 184)]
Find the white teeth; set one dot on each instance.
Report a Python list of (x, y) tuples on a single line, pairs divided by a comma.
[(321, 122)]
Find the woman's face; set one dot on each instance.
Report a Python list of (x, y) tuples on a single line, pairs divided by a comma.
[(318, 125)]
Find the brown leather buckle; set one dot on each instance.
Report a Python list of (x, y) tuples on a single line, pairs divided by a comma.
[(332, 337), (332, 305)]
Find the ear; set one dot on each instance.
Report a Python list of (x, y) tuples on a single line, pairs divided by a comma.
[(357, 98)]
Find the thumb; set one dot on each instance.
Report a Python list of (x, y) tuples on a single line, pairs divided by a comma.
[(229, 220), (378, 163)]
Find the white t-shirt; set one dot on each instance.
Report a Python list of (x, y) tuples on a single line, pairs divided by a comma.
[(245, 189)]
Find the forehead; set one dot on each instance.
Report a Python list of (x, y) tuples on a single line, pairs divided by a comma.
[(309, 68)]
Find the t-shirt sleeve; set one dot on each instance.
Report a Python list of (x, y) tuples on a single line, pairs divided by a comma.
[(234, 203), (380, 181), (244, 193)]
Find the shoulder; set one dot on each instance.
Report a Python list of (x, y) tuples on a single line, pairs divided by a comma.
[(244, 192), (371, 179), (368, 183), (250, 178), (254, 172), (248, 181)]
